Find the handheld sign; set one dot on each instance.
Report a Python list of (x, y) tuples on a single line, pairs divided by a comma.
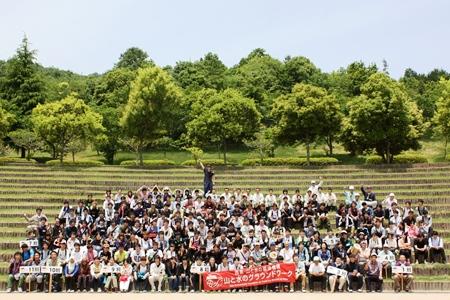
[(51, 270), (402, 269), (30, 270), (30, 243), (111, 269), (336, 271)]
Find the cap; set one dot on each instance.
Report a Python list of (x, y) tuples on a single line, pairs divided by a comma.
[(351, 187), (391, 195), (357, 194), (316, 258), (63, 242), (313, 181), (373, 254), (343, 231)]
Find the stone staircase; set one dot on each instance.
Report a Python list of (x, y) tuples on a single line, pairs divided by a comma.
[(24, 187)]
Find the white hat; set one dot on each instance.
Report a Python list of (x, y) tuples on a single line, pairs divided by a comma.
[(313, 181), (391, 195), (316, 258), (351, 187), (357, 194)]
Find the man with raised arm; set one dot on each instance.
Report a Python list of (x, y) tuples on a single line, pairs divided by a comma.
[(208, 178)]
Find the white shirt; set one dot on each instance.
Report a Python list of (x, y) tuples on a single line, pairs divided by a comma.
[(156, 270)]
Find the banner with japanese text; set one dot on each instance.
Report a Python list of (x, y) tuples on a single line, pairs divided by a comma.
[(260, 275)]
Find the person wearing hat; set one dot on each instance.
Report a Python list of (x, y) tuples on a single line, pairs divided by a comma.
[(315, 186), (387, 258), (317, 274), (349, 195), (374, 274)]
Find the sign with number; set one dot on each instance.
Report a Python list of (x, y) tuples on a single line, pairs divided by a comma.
[(200, 269), (386, 257), (30, 270), (402, 270), (111, 269), (51, 270), (30, 243), (336, 271)]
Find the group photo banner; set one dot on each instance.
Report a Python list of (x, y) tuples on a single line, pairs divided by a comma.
[(247, 277)]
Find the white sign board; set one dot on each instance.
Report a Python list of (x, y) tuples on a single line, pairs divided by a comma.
[(30, 243), (51, 270), (30, 270), (200, 269), (336, 271), (111, 269), (402, 269), (386, 257)]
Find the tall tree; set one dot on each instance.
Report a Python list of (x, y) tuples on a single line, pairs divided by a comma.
[(384, 118), (66, 121), (441, 118), (224, 117), (22, 86), (150, 105), (134, 58), (302, 116), (299, 69), (6, 120)]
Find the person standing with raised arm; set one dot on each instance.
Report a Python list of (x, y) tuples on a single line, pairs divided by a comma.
[(208, 178)]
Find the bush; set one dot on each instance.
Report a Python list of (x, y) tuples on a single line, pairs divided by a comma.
[(78, 163), (6, 159), (290, 161), (398, 159), (42, 159), (148, 163), (213, 162)]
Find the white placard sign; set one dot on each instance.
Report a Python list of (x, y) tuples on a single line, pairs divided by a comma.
[(111, 269), (30, 243), (200, 269), (402, 269), (30, 270), (386, 257), (51, 270), (336, 271)]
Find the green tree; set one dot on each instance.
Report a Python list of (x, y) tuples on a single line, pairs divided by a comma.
[(299, 69), (6, 120), (224, 117), (150, 105), (164, 144), (109, 143), (66, 121), (27, 140), (302, 116), (134, 58), (113, 87), (441, 119), (22, 86), (262, 143), (384, 118)]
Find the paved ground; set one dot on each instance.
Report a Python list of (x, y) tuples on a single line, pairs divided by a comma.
[(231, 296)]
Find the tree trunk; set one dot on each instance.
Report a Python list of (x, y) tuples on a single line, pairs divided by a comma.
[(61, 158), (218, 149), (388, 153), (445, 147), (308, 154), (73, 156), (53, 151), (330, 145), (225, 152), (22, 152), (141, 159)]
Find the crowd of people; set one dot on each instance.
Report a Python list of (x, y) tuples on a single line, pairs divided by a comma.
[(155, 238)]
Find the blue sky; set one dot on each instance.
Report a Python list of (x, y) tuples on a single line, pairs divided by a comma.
[(88, 36)]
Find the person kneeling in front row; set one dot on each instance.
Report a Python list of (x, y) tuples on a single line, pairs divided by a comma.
[(317, 274)]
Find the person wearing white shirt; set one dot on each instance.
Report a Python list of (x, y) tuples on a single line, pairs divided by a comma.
[(287, 253), (300, 273), (76, 253), (317, 274), (157, 271), (136, 254), (260, 227), (226, 194), (314, 187), (330, 199), (257, 197), (270, 198)]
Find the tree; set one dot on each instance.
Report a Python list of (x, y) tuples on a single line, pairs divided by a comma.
[(113, 87), (304, 116), (384, 118), (6, 120), (134, 58), (109, 142), (66, 121), (441, 119), (150, 105), (27, 140), (261, 143), (22, 86), (348, 82), (299, 69), (224, 117)]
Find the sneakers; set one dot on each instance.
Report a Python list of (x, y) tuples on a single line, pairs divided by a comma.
[(99, 290), (19, 290), (303, 291), (291, 290), (91, 290), (8, 290), (350, 290)]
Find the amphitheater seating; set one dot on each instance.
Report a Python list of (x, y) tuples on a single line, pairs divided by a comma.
[(24, 187)]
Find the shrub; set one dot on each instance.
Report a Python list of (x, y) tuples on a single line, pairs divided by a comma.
[(290, 161), (6, 159), (213, 162), (42, 159), (398, 159), (78, 163), (148, 163)]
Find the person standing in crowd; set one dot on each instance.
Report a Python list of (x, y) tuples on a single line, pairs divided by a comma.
[(14, 273), (208, 183)]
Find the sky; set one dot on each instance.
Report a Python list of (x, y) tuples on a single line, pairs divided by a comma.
[(88, 36)]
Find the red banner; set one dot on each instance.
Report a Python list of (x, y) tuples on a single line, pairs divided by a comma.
[(260, 275)]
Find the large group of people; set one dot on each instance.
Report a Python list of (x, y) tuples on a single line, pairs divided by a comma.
[(154, 239)]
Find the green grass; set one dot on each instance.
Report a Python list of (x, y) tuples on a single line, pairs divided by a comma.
[(433, 149)]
